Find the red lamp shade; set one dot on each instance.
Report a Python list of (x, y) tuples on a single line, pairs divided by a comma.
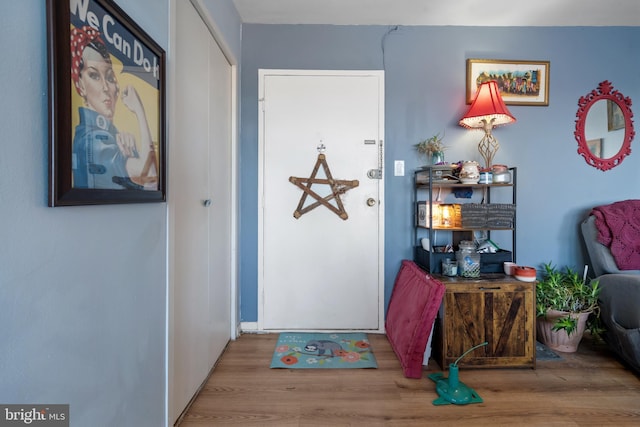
[(487, 108)]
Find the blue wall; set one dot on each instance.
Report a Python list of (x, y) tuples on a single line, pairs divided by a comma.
[(227, 22), (82, 289), (425, 94)]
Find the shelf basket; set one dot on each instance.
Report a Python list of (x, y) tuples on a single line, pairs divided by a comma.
[(500, 215), (488, 215), (474, 215)]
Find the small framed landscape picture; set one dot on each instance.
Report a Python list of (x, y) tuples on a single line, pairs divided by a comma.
[(595, 146), (615, 118)]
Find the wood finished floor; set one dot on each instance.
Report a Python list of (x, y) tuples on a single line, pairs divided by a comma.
[(588, 388)]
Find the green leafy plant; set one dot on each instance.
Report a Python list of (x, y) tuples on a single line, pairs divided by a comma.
[(565, 290), (431, 145)]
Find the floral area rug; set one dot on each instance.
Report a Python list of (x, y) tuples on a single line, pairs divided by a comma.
[(302, 350)]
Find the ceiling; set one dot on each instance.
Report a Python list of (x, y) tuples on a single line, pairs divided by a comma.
[(441, 12)]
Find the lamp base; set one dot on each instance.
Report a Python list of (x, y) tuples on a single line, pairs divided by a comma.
[(488, 146)]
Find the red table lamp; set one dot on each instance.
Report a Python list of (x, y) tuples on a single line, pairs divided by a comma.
[(486, 111)]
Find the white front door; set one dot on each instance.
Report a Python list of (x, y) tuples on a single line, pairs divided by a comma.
[(200, 207), (321, 268)]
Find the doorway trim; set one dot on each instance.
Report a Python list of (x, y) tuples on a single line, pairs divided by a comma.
[(259, 325)]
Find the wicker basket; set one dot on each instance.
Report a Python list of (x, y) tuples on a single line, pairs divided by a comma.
[(474, 215), (492, 215), (500, 215)]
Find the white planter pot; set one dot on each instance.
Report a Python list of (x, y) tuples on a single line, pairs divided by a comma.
[(559, 340)]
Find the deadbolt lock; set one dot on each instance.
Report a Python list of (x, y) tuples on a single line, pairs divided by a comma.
[(374, 174)]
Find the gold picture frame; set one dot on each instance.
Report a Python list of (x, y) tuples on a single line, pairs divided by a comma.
[(520, 82)]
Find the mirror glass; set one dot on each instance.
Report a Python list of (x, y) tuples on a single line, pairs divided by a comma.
[(604, 128), (603, 141)]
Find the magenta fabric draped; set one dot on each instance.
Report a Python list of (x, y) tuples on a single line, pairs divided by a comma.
[(618, 227)]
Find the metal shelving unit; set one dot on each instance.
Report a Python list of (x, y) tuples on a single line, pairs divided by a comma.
[(430, 260)]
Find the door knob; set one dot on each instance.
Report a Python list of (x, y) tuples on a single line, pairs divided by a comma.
[(206, 203), (371, 201)]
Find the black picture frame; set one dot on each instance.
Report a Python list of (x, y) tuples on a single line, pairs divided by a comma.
[(88, 161)]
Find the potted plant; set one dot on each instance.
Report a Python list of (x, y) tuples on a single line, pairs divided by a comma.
[(432, 148), (566, 305)]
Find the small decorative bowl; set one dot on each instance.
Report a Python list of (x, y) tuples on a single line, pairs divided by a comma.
[(525, 274), (508, 268)]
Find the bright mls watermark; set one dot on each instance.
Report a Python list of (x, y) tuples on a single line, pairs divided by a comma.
[(34, 415)]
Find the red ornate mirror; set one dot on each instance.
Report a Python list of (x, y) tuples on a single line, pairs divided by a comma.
[(604, 127)]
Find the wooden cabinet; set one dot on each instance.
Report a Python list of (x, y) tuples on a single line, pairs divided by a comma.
[(498, 309)]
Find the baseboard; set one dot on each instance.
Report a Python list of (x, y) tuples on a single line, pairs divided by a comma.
[(252, 328), (249, 327)]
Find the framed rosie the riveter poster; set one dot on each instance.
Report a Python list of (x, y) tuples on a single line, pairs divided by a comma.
[(106, 107)]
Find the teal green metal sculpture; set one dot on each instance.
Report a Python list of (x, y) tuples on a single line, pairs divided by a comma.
[(451, 390)]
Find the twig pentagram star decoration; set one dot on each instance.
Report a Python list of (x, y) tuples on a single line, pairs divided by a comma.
[(338, 187)]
